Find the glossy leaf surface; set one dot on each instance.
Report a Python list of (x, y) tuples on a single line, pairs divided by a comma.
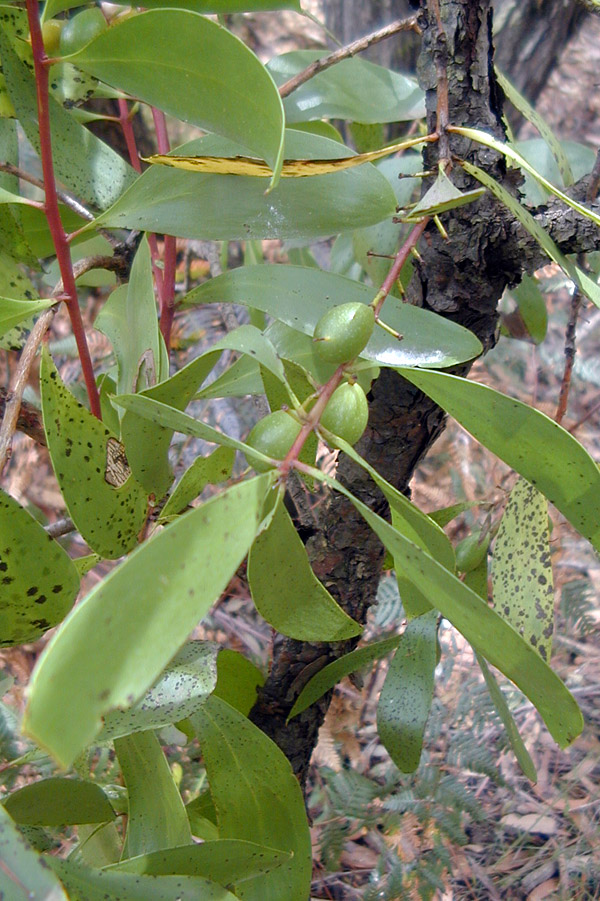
[(352, 89), (299, 296), (203, 75), (39, 582), (227, 207), (203, 471), (137, 618)]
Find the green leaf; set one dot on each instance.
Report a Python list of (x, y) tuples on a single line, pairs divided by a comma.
[(352, 89), (129, 321), (226, 861), (223, 7), (238, 380), (407, 692), (24, 873), (87, 884), (483, 628), (532, 307), (286, 591), (536, 447), (137, 618), (522, 570), (299, 296), (522, 104), (84, 163), (12, 312), (580, 159), (148, 445), (510, 153), (231, 207), (39, 581), (204, 471), (257, 798), (178, 692), (237, 680), (577, 275), (441, 197), (105, 502), (516, 742), (203, 75), (328, 677), (156, 814), (446, 514), (59, 802)]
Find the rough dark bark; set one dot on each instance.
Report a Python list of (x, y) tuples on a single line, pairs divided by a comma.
[(461, 278)]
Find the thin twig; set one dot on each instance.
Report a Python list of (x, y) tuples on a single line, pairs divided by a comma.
[(13, 403), (569, 351), (167, 296), (29, 420), (319, 65), (441, 65), (60, 527), (399, 261), (69, 201)]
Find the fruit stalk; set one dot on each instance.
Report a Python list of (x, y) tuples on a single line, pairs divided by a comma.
[(59, 238), (311, 420)]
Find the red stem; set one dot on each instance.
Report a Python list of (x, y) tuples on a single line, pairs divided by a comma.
[(167, 299), (312, 420), (51, 209), (399, 261)]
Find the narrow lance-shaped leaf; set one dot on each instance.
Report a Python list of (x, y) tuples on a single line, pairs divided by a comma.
[(94, 884), (203, 471), (224, 207), (285, 590), (12, 312), (39, 582), (583, 281), (106, 503), (156, 814), (531, 443), (328, 677), (137, 618), (407, 692), (521, 568), (257, 798), (226, 861), (489, 634), (204, 75)]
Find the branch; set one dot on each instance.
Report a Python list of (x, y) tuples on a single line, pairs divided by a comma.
[(319, 65), (69, 201)]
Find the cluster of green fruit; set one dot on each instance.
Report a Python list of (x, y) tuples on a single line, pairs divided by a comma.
[(340, 335), (62, 37)]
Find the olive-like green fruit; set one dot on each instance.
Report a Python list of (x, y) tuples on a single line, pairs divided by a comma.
[(471, 551), (273, 436), (347, 413), (81, 29), (344, 331), (51, 32)]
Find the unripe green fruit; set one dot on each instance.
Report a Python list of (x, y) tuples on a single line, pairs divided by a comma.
[(273, 436), (344, 331), (471, 551), (81, 29), (51, 32), (347, 413)]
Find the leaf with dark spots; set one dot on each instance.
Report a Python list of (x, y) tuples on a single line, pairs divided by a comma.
[(30, 579)]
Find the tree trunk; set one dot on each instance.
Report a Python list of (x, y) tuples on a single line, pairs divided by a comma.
[(461, 278)]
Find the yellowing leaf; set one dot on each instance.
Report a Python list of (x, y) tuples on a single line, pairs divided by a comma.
[(246, 165)]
